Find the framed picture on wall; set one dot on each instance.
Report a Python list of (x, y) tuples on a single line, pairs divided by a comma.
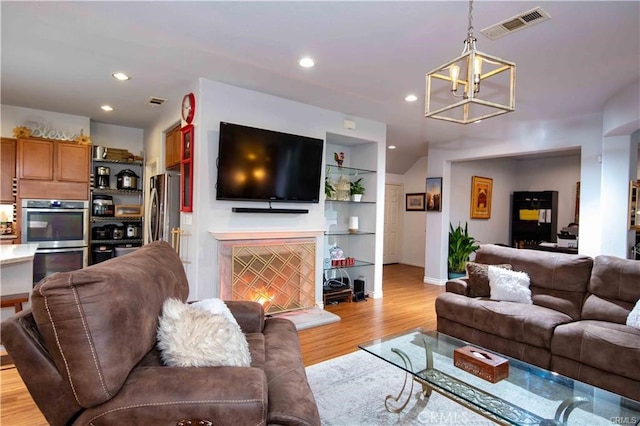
[(434, 194), (415, 202), (481, 192)]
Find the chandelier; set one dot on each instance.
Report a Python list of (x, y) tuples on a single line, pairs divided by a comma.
[(472, 86)]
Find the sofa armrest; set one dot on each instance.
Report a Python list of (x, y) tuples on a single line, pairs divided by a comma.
[(250, 315), (458, 286)]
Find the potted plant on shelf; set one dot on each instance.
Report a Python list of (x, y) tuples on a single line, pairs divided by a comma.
[(461, 246), (356, 190), (329, 189)]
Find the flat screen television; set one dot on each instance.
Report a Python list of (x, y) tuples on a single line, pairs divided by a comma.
[(264, 165)]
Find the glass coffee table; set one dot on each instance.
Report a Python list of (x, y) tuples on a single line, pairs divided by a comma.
[(528, 396)]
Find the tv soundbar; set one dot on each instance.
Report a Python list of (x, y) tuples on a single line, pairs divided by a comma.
[(267, 210)]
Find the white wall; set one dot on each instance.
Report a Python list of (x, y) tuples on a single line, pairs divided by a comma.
[(112, 136), (217, 102), (12, 116), (413, 223)]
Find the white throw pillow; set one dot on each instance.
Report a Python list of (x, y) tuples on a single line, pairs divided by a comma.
[(512, 286), (215, 306), (193, 337), (633, 320)]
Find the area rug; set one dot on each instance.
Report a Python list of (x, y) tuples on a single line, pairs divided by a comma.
[(308, 318), (350, 391)]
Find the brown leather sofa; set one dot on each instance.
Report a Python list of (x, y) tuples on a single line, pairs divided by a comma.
[(575, 326), (87, 353)]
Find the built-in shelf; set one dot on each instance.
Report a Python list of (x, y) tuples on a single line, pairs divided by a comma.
[(116, 191), (347, 171), (350, 202), (134, 163), (348, 233), (356, 264)]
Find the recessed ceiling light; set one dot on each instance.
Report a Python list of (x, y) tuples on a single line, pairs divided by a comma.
[(391, 147), (306, 62), (107, 108), (120, 76), (411, 98)]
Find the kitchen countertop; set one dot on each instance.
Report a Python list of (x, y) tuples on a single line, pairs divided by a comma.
[(15, 253)]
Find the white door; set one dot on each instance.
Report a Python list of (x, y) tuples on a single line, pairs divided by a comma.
[(392, 224)]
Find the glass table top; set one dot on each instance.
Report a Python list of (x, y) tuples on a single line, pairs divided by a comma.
[(528, 396)]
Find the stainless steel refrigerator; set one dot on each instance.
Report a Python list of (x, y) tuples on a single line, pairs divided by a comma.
[(164, 206)]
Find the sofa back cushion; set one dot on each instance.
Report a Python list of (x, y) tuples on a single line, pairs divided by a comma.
[(614, 289), (558, 280), (99, 322)]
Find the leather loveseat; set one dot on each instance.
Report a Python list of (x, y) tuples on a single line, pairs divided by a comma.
[(87, 353), (576, 325)]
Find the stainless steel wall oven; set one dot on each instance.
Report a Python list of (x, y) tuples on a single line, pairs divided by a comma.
[(61, 230)]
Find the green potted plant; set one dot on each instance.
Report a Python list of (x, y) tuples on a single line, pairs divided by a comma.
[(329, 189), (356, 189), (461, 246)]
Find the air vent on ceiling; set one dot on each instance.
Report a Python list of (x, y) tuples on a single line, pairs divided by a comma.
[(154, 101), (518, 22)]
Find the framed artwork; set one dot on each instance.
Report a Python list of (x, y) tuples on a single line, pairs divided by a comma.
[(481, 191), (434, 194), (415, 202)]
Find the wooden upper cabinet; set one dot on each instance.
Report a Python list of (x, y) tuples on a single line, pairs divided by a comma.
[(35, 159), (172, 149), (72, 163), (52, 169), (7, 169)]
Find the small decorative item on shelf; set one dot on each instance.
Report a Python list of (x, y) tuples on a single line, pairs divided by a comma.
[(356, 190), (339, 157), (21, 132), (353, 224), (343, 189)]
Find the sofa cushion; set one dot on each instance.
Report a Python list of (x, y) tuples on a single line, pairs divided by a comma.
[(189, 336), (529, 324), (478, 283), (511, 286), (558, 280), (633, 319), (85, 317), (600, 344)]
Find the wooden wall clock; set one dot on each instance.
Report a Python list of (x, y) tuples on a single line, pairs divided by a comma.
[(188, 107)]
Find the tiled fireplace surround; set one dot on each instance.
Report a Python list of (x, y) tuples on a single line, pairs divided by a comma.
[(276, 269)]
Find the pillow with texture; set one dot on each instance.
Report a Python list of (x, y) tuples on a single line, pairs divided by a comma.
[(633, 320), (511, 286), (216, 306), (189, 336), (479, 278)]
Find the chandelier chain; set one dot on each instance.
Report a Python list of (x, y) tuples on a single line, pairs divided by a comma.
[(470, 28)]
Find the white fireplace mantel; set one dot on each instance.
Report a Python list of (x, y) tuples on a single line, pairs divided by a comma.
[(265, 235)]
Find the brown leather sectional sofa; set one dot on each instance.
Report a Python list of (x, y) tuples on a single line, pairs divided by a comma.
[(87, 353), (575, 326)]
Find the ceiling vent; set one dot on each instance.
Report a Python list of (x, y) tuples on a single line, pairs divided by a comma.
[(154, 101), (518, 22)]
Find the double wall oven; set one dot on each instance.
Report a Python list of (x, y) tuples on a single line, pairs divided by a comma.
[(61, 230)]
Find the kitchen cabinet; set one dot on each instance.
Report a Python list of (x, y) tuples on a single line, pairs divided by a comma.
[(7, 170), (52, 169), (172, 149)]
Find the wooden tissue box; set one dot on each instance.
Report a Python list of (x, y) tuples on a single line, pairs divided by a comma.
[(481, 363)]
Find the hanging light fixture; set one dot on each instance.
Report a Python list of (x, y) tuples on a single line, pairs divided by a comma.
[(471, 87)]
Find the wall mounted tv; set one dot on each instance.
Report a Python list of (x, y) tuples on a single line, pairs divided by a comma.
[(263, 165)]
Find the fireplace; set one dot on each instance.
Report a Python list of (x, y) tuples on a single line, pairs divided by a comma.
[(279, 273)]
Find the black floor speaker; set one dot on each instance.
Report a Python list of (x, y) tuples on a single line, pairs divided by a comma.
[(359, 290)]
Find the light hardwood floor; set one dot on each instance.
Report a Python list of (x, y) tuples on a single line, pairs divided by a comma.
[(407, 303)]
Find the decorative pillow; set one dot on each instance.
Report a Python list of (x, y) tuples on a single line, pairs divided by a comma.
[(479, 280), (508, 285), (189, 336), (216, 306), (633, 320)]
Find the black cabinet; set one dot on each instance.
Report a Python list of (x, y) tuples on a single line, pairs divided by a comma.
[(534, 218)]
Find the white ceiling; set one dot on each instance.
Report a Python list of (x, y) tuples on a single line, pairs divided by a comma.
[(59, 56)]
